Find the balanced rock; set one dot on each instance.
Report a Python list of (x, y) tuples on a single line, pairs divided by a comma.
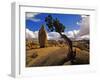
[(42, 36)]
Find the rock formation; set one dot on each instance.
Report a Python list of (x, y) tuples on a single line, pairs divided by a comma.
[(42, 37)]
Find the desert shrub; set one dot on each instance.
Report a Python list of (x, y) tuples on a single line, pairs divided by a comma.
[(83, 45), (34, 55), (31, 44)]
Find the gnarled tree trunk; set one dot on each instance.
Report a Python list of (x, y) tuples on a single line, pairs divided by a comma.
[(71, 54)]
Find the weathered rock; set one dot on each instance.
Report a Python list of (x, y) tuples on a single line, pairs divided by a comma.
[(42, 36)]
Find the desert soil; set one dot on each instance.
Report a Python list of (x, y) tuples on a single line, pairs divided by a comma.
[(53, 56), (47, 56)]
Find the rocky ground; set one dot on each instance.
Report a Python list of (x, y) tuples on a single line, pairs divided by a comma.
[(56, 55)]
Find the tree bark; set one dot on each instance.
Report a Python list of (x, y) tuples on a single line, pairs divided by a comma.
[(71, 55)]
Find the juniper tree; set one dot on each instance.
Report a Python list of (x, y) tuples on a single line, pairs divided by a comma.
[(57, 26)]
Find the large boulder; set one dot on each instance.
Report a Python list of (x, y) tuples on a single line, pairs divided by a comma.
[(42, 36)]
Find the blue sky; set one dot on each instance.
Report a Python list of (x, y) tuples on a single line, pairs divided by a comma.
[(70, 21)]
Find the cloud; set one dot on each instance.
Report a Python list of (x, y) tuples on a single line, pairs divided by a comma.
[(71, 34), (30, 34), (86, 37), (35, 20), (83, 32), (31, 16), (74, 35), (36, 34), (53, 36), (50, 35), (84, 26), (56, 35)]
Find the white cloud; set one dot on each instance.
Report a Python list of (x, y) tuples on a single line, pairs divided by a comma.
[(71, 34), (35, 20), (76, 32), (56, 35), (86, 37), (50, 35), (29, 34), (53, 36), (84, 26), (36, 34), (31, 16), (74, 35)]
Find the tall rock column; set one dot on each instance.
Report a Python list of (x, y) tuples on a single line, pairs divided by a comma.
[(42, 37)]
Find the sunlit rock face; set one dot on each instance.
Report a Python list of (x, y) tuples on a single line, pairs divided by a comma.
[(42, 37)]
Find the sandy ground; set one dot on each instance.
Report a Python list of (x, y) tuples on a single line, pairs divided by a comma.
[(48, 56), (53, 56)]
